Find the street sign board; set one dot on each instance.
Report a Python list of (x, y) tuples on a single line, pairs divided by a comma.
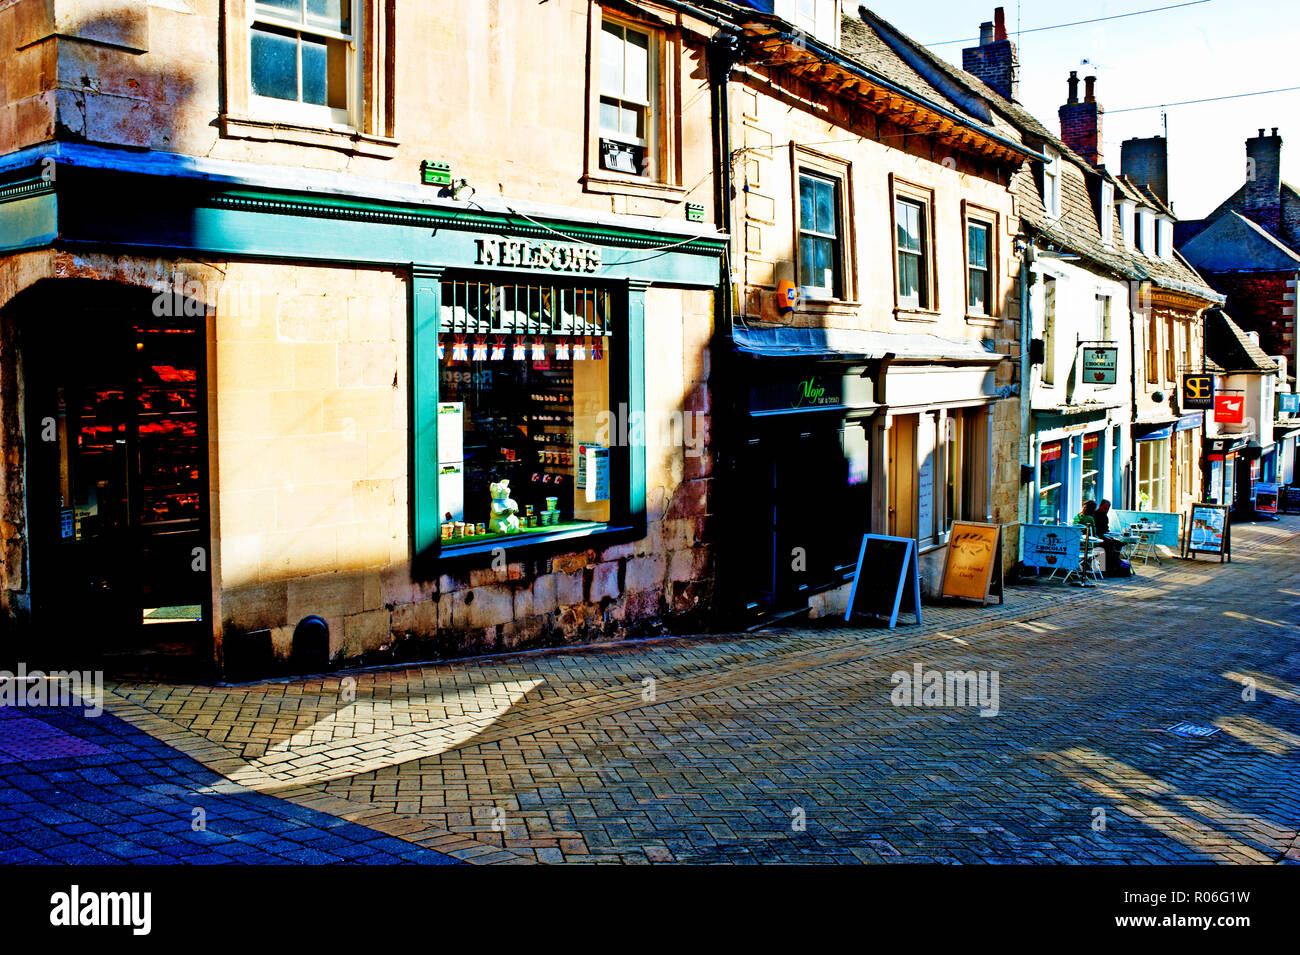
[(972, 567), (894, 581)]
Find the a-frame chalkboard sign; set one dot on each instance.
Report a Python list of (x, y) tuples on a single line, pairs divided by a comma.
[(892, 582)]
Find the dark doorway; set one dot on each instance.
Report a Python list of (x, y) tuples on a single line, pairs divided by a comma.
[(117, 483), (808, 503)]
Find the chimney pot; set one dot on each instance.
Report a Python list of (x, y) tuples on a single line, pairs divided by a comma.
[(1261, 133), (1090, 89), (1073, 83), (1274, 130), (999, 24), (986, 33)]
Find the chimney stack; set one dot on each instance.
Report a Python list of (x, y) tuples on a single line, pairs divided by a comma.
[(1264, 180), (995, 60), (1081, 122), (1146, 162)]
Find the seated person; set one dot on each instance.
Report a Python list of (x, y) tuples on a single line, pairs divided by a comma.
[(1116, 566), (1087, 517)]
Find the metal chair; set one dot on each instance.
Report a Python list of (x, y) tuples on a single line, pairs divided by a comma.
[(1146, 547)]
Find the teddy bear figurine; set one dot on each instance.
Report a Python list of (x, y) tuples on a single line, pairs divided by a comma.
[(505, 511)]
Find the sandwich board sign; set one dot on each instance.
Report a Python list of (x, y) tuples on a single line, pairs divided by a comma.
[(892, 582), (972, 567), (1265, 494), (1208, 531)]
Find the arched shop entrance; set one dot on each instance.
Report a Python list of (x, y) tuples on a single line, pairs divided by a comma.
[(116, 455)]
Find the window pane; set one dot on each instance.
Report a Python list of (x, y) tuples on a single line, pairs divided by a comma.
[(807, 260), (289, 9), (611, 59), (632, 122), (807, 202), (274, 64), (315, 71), (636, 78), (978, 245), (978, 291), (909, 226), (330, 14), (908, 275), (608, 116), (826, 207)]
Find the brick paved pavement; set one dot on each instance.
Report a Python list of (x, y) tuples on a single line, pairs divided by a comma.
[(86, 791), (711, 750)]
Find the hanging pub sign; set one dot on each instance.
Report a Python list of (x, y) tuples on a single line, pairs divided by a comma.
[(1198, 392), (893, 582), (1288, 403), (1265, 495), (1230, 409), (1099, 364), (1208, 531), (972, 567)]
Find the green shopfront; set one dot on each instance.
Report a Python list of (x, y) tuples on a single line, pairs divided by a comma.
[(431, 424)]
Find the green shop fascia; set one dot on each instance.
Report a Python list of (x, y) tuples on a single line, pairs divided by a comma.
[(524, 319)]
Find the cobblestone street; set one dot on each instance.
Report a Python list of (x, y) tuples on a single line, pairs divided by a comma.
[(776, 747)]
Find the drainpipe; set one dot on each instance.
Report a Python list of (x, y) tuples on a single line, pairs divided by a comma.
[(1131, 488), (1026, 324), (726, 385)]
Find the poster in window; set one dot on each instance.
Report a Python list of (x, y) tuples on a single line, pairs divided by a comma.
[(451, 491), (597, 476), (451, 431)]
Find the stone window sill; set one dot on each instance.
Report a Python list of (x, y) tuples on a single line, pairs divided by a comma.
[(634, 186), (989, 321), (916, 314), (349, 141)]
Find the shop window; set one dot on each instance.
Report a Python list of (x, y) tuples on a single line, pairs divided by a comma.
[(1187, 459), (913, 254), (1091, 467), (303, 57), (821, 255), (1051, 470), (1153, 475), (966, 466), (979, 270), (627, 100), (525, 397)]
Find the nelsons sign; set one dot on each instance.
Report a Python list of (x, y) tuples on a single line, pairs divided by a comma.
[(518, 253)]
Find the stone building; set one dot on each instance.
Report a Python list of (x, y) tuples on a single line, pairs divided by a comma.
[(286, 289), (872, 383)]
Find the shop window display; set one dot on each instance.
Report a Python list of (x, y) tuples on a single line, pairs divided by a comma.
[(525, 415)]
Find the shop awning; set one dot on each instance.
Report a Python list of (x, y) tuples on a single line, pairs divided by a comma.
[(853, 345)]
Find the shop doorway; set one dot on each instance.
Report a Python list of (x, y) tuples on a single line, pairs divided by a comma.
[(809, 503), (117, 480)]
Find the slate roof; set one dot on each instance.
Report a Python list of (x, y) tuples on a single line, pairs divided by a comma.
[(1290, 202), (1077, 229), (1233, 243), (1230, 349)]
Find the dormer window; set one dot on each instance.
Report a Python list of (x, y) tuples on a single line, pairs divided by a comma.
[(1052, 184), (1107, 212), (1164, 237), (1126, 213), (819, 18)]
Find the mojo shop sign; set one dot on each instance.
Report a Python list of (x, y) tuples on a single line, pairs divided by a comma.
[(1050, 546), (892, 581), (972, 567)]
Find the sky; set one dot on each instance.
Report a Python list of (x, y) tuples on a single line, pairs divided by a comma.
[(1213, 48)]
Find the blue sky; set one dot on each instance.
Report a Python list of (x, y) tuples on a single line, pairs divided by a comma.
[(1212, 49)]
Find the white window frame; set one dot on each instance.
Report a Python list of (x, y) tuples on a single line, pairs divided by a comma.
[(837, 289), (1047, 373), (823, 24), (1052, 185), (1107, 213), (1126, 211), (650, 142), (298, 112)]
